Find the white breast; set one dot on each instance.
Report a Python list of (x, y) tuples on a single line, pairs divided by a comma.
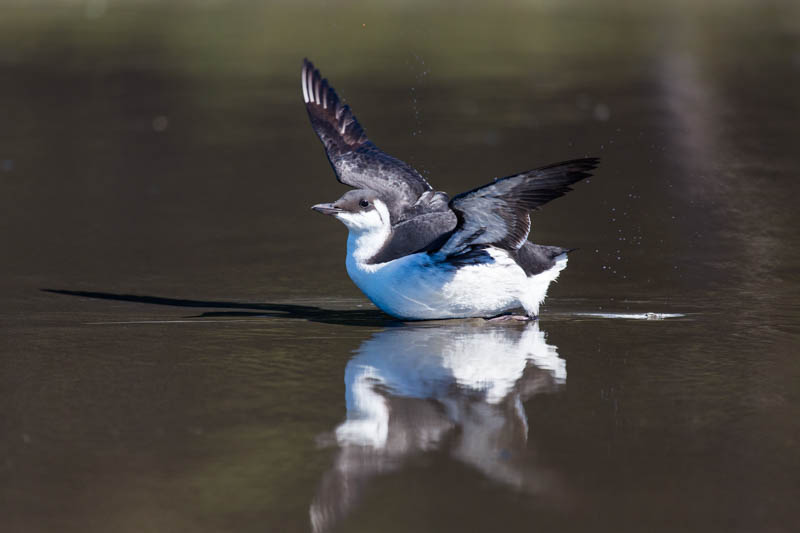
[(420, 287)]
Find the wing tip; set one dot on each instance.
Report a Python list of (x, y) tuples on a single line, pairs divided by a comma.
[(311, 79), (304, 78), (584, 164), (324, 106), (566, 173)]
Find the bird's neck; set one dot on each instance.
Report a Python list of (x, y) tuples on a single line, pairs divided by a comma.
[(361, 246)]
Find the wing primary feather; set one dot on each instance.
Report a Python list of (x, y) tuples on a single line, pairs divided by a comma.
[(303, 78), (356, 161), (497, 214)]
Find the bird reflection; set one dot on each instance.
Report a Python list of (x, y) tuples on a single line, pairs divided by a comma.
[(453, 388)]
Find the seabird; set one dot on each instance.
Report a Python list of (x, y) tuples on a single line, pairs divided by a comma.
[(418, 254)]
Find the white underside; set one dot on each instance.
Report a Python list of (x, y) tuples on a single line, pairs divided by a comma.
[(420, 287), (426, 363)]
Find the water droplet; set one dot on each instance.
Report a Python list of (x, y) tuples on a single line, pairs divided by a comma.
[(601, 112), (160, 123)]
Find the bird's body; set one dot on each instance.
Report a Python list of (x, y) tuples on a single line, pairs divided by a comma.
[(425, 285), (422, 286), (416, 253)]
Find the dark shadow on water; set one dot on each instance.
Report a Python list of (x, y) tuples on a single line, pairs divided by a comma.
[(348, 317)]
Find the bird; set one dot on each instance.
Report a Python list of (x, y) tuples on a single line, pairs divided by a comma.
[(418, 254)]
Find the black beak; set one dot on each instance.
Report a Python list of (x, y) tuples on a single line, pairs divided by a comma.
[(326, 209)]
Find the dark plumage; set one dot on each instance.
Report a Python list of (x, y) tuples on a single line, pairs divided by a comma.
[(417, 234), (355, 159), (424, 220), (536, 258), (497, 213)]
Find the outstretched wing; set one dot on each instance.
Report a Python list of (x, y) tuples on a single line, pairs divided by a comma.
[(355, 159), (497, 214)]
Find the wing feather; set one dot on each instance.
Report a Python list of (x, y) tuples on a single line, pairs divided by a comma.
[(356, 161), (497, 214)]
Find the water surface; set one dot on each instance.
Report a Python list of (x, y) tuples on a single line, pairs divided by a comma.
[(181, 348)]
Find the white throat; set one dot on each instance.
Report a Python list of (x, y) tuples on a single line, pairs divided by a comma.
[(368, 232)]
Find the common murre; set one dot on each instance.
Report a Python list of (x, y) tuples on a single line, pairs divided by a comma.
[(416, 253)]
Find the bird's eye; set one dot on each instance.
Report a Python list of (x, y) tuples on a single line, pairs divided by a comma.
[(363, 203)]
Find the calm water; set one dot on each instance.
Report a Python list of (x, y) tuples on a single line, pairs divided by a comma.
[(199, 360)]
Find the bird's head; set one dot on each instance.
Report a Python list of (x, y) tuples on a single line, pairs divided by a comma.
[(360, 210)]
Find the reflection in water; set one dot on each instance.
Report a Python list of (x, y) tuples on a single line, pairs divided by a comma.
[(457, 389)]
